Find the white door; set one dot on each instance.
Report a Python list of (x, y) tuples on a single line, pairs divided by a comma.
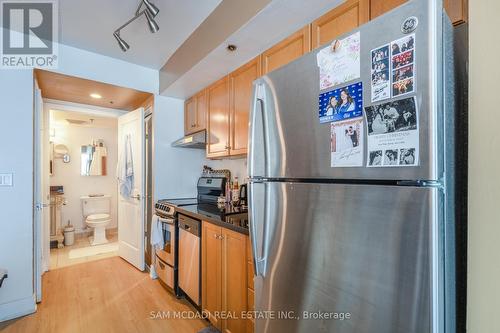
[(131, 208), (42, 193)]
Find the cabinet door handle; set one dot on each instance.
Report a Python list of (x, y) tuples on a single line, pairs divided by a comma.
[(216, 236)]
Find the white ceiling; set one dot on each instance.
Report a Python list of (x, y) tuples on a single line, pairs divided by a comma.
[(89, 25), (275, 22), (60, 118)]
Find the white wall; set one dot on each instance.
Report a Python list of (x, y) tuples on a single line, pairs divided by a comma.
[(93, 66), (16, 149), (175, 170), (483, 295), (68, 174), (16, 203), (238, 167)]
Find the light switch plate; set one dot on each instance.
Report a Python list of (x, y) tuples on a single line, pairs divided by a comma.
[(6, 179)]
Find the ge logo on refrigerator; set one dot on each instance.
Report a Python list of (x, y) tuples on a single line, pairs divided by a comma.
[(409, 25)]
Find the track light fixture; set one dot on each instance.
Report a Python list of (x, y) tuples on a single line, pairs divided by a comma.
[(152, 9), (123, 44), (149, 12), (153, 27)]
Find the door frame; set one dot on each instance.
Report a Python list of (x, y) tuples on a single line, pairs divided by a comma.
[(41, 199)]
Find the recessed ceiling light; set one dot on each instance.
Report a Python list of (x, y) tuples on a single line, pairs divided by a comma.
[(96, 96)]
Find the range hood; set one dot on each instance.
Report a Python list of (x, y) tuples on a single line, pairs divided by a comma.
[(196, 140)]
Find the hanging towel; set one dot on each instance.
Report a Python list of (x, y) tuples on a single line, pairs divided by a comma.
[(125, 170), (156, 232), (96, 167), (156, 241)]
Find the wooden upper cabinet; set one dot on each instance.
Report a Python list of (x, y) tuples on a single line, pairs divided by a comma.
[(234, 274), (241, 95), (195, 109), (218, 119), (190, 115), (287, 50), (379, 7), (201, 110), (211, 272), (340, 20), (457, 10)]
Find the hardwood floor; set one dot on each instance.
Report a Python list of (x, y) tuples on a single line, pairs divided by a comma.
[(108, 295)]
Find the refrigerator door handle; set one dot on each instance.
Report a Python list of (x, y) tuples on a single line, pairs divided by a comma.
[(258, 222), (257, 152)]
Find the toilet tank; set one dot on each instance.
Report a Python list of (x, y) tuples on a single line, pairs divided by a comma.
[(96, 205)]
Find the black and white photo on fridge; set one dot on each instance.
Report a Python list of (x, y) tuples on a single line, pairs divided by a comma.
[(392, 127)]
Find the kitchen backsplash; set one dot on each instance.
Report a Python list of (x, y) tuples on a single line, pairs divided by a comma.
[(238, 167)]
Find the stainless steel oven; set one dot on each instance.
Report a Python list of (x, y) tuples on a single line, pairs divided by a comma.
[(165, 256), (167, 252)]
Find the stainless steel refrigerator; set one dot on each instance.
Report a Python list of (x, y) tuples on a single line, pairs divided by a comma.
[(375, 244)]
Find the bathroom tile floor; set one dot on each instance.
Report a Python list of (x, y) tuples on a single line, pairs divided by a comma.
[(61, 257)]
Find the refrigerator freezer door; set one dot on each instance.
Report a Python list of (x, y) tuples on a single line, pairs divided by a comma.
[(345, 250), (287, 139)]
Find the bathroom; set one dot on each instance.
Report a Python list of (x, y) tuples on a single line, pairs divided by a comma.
[(83, 152)]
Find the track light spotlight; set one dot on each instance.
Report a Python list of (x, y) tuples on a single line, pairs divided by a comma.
[(150, 12), (153, 27), (152, 9), (123, 44)]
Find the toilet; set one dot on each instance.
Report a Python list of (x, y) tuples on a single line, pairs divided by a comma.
[(96, 212)]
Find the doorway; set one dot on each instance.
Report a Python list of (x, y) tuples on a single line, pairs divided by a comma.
[(81, 213), (83, 192)]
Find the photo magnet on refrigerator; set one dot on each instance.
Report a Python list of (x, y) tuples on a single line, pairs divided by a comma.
[(347, 141), (403, 65), (339, 62), (393, 134), (341, 104), (381, 68)]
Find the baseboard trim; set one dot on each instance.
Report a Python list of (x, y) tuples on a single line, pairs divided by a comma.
[(18, 308)]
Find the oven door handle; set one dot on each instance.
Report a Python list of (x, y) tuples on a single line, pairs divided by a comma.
[(165, 220)]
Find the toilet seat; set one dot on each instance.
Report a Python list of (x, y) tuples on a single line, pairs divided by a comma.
[(95, 218)]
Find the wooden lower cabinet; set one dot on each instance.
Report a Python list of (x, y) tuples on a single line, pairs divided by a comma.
[(234, 276), (211, 271), (224, 277)]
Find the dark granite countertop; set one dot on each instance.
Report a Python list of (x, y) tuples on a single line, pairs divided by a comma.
[(230, 217)]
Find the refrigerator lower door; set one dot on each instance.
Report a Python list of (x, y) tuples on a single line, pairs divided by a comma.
[(345, 258)]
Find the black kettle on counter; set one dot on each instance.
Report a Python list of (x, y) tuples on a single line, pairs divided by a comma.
[(243, 196)]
